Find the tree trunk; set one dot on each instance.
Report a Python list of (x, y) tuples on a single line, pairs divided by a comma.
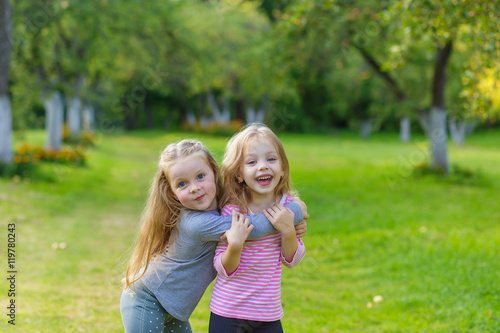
[(405, 129), (438, 140), (438, 137), (5, 109), (457, 131), (251, 114), (433, 123), (5, 130), (74, 115), (261, 111), (226, 110), (214, 108), (190, 117), (470, 126), (54, 117), (88, 117), (202, 108), (239, 109), (365, 129)]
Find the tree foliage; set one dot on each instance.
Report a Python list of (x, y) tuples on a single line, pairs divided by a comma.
[(320, 64)]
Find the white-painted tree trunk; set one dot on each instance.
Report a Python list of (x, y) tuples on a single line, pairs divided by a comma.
[(438, 139), (6, 42), (74, 113), (214, 108), (219, 116), (405, 129), (204, 121), (261, 111), (251, 114), (226, 110), (88, 117), (457, 130), (255, 116), (191, 118), (6, 152), (365, 129), (54, 117), (470, 126), (260, 114)]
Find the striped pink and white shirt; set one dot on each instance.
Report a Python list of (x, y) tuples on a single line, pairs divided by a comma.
[(253, 291)]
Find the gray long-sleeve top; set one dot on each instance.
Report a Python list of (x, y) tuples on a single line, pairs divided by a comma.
[(179, 276)]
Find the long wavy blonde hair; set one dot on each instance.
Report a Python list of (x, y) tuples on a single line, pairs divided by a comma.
[(236, 192), (161, 214)]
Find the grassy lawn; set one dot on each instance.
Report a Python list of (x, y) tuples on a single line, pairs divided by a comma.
[(429, 247)]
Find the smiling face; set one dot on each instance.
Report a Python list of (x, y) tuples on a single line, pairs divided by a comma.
[(193, 183), (261, 168)]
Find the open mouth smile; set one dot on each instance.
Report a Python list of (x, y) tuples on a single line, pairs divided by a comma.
[(264, 180)]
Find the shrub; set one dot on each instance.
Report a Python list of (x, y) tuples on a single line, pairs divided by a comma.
[(84, 138), (67, 155), (23, 163), (26, 158)]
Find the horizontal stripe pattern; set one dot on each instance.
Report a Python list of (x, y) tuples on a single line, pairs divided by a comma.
[(253, 291)]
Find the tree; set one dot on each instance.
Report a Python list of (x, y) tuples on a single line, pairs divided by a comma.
[(396, 37), (443, 26), (230, 59), (5, 109)]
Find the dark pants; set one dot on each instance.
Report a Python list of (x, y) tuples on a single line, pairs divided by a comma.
[(219, 324), (142, 313)]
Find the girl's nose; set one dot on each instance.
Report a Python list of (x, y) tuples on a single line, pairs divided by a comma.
[(263, 166), (194, 189)]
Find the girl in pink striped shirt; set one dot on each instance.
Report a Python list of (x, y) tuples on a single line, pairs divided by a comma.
[(247, 293)]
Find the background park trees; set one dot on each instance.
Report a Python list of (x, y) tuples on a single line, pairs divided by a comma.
[(300, 65), (409, 46)]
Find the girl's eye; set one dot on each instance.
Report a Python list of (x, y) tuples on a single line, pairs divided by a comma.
[(272, 159), (201, 176), (251, 162), (181, 184)]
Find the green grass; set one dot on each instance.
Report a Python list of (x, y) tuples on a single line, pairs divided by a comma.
[(428, 246)]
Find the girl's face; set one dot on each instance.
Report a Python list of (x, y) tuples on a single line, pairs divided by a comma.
[(261, 168), (193, 183)]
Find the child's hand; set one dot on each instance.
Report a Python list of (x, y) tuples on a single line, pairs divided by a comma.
[(301, 229), (303, 206), (281, 218), (239, 231)]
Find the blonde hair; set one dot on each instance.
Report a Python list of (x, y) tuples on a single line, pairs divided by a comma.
[(162, 212), (236, 192)]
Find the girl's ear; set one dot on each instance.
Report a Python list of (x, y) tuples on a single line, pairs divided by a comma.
[(170, 192), (240, 179)]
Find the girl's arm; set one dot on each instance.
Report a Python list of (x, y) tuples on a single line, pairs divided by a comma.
[(209, 226), (282, 219), (292, 249), (236, 236), (297, 257)]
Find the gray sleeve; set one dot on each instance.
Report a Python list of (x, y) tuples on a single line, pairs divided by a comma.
[(209, 226), (262, 227), (206, 226)]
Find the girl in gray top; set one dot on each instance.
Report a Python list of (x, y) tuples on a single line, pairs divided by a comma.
[(172, 263)]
